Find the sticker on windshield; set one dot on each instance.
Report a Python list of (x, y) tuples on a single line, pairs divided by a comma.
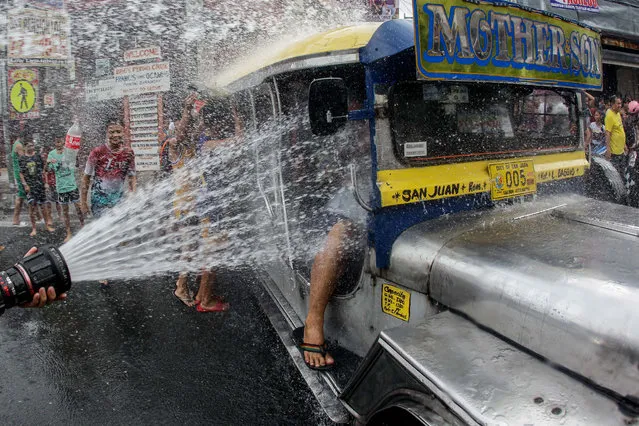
[(415, 149), (445, 94)]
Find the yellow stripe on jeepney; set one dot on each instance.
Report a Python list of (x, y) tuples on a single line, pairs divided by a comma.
[(404, 186)]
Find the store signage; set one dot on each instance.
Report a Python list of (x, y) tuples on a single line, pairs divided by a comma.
[(499, 42), (38, 37), (143, 128), (151, 52), (144, 78), (102, 90), (49, 4), (587, 5), (23, 93), (49, 100)]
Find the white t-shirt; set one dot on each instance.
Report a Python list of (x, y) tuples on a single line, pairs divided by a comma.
[(598, 133)]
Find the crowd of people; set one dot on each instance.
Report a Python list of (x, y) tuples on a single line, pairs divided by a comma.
[(48, 178), (43, 180), (612, 130), (384, 10)]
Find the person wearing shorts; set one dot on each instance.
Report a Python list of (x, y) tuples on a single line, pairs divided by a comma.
[(181, 150), (50, 188), (67, 192), (31, 177), (110, 165)]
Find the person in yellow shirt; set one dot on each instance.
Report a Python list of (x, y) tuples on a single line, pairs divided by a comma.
[(615, 136)]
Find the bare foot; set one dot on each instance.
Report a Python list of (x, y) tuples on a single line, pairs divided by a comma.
[(33, 233), (314, 334), (50, 228), (184, 295)]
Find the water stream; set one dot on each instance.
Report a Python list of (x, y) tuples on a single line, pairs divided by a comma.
[(231, 208)]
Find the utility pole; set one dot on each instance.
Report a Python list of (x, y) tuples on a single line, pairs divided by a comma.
[(4, 96)]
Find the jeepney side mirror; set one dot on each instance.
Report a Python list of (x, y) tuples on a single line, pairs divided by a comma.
[(327, 105)]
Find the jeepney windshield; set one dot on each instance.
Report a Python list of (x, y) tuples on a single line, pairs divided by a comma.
[(439, 122)]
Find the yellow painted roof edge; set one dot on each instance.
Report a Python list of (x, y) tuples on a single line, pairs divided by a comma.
[(335, 40)]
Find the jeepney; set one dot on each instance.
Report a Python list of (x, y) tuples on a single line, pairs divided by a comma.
[(490, 288)]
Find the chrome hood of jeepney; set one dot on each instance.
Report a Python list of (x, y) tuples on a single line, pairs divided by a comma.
[(559, 277)]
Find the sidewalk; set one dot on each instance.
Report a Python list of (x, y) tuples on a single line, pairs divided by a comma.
[(7, 194)]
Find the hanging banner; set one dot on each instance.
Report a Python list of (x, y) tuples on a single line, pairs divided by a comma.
[(38, 37), (500, 42), (23, 93), (587, 5)]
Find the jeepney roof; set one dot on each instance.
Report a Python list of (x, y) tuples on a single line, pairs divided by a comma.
[(340, 45)]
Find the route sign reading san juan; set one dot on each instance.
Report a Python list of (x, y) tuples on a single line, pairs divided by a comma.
[(23, 93)]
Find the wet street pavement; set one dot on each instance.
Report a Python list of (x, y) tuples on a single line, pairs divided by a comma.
[(133, 354)]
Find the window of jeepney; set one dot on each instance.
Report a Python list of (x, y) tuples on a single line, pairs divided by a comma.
[(453, 122), (264, 102), (242, 104)]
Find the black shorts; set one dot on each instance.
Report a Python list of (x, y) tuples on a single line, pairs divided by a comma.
[(70, 197), (36, 197)]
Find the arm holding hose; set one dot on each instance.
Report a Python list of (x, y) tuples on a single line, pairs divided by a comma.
[(19, 287)]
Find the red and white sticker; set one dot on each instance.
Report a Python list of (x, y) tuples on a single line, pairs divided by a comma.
[(72, 142)]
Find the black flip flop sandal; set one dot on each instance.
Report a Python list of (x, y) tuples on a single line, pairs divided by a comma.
[(298, 338)]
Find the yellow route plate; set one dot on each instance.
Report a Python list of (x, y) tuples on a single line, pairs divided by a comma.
[(512, 179), (396, 302)]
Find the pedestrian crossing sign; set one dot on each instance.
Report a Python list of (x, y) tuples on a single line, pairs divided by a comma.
[(23, 93), (22, 96)]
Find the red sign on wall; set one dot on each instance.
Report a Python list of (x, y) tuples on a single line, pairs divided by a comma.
[(587, 5)]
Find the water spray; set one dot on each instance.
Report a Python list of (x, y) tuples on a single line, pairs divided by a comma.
[(45, 268)]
